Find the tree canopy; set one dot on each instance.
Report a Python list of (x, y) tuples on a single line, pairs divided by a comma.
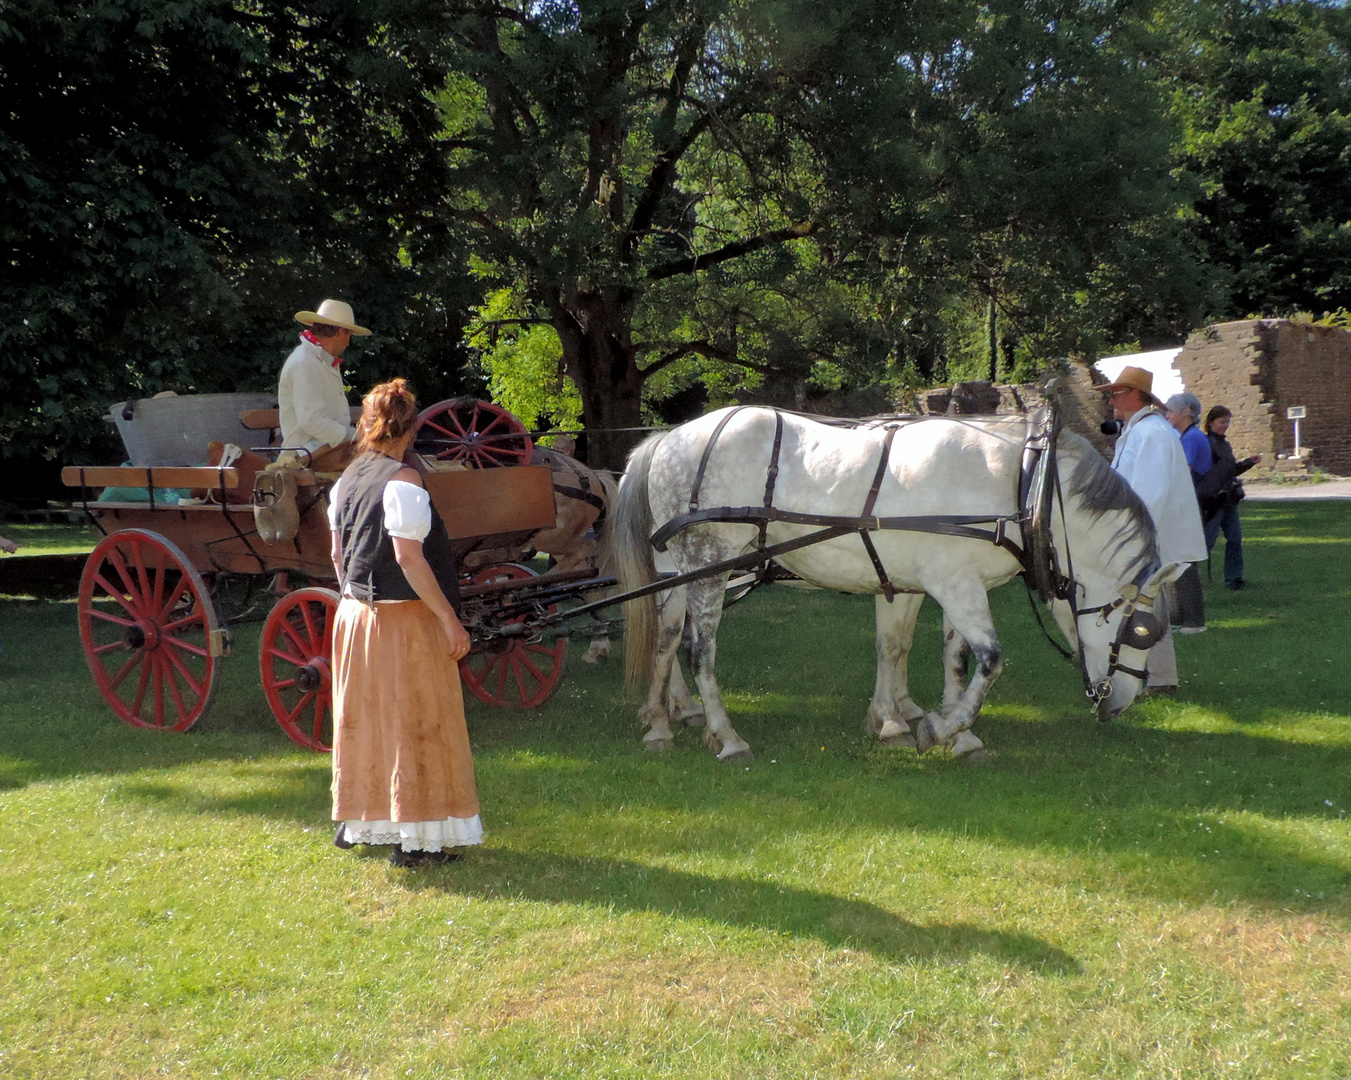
[(620, 209), (795, 190)]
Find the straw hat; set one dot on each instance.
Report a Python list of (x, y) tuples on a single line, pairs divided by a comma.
[(333, 313), (1134, 378)]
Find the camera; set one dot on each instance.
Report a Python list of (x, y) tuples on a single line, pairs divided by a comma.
[(1111, 427)]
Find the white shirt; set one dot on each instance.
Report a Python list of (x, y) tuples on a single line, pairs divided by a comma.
[(1150, 459), (408, 509), (311, 400)]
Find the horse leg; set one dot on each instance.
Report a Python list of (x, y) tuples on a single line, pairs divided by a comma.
[(956, 662), (684, 706), (599, 649), (967, 630), (892, 711), (655, 713), (704, 614)]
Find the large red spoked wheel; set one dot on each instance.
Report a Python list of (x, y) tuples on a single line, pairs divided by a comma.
[(476, 433), (149, 631), (513, 671), (296, 655)]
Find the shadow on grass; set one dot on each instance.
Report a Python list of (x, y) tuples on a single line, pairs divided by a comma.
[(621, 885)]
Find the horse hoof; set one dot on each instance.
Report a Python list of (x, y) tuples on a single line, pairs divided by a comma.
[(737, 756), (894, 734), (978, 756), (926, 738), (658, 746), (694, 720), (595, 656)]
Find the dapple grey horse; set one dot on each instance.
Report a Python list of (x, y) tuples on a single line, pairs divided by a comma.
[(937, 467)]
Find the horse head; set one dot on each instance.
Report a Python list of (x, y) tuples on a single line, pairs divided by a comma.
[(1119, 609), (1115, 637)]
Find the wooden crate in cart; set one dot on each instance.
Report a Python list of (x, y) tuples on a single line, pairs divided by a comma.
[(154, 635)]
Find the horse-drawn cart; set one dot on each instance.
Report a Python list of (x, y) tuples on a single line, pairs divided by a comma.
[(181, 557)]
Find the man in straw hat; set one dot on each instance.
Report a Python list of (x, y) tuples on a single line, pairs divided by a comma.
[(1149, 458), (314, 411), (314, 417)]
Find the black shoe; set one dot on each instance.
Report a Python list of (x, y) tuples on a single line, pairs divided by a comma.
[(399, 857), (1235, 585), (339, 840)]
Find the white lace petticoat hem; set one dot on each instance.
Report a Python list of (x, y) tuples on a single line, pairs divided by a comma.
[(416, 835)]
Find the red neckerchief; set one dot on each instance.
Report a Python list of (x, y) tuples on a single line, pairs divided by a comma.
[(306, 335)]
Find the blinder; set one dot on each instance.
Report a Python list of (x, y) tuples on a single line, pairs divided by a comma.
[(1140, 629)]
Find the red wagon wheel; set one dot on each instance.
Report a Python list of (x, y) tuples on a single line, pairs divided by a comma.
[(296, 659), (477, 433), (149, 631), (512, 671)]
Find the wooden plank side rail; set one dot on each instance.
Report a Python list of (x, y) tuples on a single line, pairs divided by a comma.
[(267, 419), (141, 476), (486, 502)]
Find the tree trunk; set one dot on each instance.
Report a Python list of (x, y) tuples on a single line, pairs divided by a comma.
[(599, 356)]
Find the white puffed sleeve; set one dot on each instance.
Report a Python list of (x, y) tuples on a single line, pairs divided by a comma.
[(408, 511), (333, 505)]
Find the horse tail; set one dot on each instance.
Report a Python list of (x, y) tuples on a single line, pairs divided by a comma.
[(609, 495), (627, 553)]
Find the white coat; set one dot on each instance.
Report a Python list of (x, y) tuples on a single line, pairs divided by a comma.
[(1149, 457)]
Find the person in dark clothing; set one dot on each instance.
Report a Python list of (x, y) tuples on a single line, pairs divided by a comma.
[(1220, 493)]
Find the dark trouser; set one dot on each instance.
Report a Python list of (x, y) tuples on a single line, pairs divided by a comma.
[(1189, 607), (1226, 520)]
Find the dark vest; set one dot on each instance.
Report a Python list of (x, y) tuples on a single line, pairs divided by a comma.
[(370, 571)]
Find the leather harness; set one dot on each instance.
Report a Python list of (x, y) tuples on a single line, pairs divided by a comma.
[(991, 527), (1038, 489)]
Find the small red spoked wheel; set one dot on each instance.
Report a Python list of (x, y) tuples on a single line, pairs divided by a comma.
[(149, 630), (296, 656), (513, 671), (477, 433)]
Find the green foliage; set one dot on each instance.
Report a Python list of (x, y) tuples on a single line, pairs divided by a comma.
[(523, 364), (1263, 92), (806, 193)]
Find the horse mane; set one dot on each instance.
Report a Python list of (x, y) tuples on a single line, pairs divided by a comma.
[(1099, 490)]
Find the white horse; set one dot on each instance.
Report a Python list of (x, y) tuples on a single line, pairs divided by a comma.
[(950, 487)]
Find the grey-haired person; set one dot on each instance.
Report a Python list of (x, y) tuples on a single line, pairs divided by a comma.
[(1183, 411)]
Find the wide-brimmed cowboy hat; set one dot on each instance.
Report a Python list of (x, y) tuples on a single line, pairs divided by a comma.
[(333, 313), (1134, 378)]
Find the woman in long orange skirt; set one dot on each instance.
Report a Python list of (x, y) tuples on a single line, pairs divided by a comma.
[(403, 774)]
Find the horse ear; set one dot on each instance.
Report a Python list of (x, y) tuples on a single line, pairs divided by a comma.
[(1162, 577)]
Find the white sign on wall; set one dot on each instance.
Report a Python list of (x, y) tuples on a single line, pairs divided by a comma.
[(1295, 413)]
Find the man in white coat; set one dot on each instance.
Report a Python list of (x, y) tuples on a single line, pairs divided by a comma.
[(1150, 459), (310, 395)]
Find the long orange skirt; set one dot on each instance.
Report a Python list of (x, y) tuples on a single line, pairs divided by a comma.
[(400, 745)]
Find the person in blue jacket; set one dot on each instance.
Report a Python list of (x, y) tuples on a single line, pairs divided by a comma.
[(1183, 411)]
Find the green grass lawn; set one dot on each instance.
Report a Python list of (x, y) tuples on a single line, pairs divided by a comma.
[(51, 539), (1162, 896)]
